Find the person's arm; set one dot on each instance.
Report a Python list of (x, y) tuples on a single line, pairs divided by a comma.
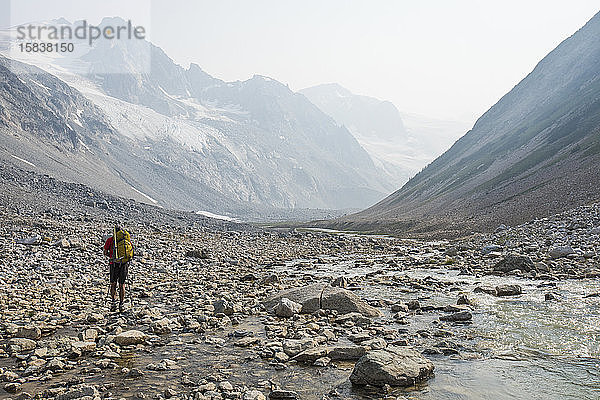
[(107, 247)]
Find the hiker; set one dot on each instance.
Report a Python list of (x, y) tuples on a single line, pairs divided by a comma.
[(119, 249)]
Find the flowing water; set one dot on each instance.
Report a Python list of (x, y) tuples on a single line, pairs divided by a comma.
[(521, 347)]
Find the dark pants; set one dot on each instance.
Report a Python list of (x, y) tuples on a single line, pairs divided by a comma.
[(118, 272)]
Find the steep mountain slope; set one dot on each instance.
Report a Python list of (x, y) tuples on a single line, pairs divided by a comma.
[(188, 140), (535, 152), (404, 148), (52, 128)]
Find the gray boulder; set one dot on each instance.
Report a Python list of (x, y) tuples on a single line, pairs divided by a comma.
[(292, 347), (319, 296), (130, 337), (561, 251), (394, 366), (460, 316), (508, 290), (22, 344), (344, 302), (29, 332), (308, 296), (513, 262), (287, 308)]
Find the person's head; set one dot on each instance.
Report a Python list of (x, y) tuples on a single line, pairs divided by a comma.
[(117, 227)]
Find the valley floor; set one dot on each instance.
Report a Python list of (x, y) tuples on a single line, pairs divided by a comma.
[(197, 323)]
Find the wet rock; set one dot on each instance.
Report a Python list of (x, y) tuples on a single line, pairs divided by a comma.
[(508, 290), (287, 308), (399, 307), (319, 296), (283, 395), (513, 262), (130, 337), (135, 373), (78, 348), (394, 366), (549, 296), (413, 305), (457, 317), (311, 355), (463, 299), (560, 251), (485, 289)]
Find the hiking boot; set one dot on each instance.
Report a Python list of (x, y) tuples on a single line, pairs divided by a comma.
[(121, 307), (113, 306)]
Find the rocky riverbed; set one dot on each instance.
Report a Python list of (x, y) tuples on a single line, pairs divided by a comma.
[(217, 310)]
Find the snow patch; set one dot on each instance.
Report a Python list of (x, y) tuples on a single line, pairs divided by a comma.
[(22, 160), (145, 195), (216, 216)]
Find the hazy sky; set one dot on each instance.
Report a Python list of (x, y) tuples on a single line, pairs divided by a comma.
[(444, 58)]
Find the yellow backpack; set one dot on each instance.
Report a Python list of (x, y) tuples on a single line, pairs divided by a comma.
[(123, 246)]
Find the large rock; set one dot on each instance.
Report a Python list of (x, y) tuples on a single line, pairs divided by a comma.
[(162, 326), (394, 366), (130, 337), (513, 262), (287, 308), (461, 316), (22, 344), (561, 251), (311, 355), (344, 302), (308, 296), (320, 296), (29, 332), (508, 290), (292, 347)]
